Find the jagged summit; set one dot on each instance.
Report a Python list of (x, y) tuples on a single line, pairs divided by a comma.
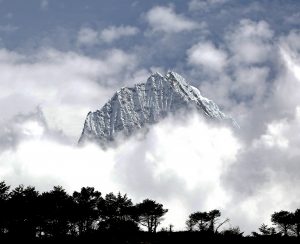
[(132, 108)]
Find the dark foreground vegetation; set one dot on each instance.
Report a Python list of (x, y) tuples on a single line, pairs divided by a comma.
[(87, 216)]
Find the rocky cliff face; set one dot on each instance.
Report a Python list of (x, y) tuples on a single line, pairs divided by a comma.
[(132, 108)]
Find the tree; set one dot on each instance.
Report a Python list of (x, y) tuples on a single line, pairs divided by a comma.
[(206, 221), (4, 195), (23, 212), (4, 191), (265, 230), (57, 212), (232, 232), (117, 214), (296, 223), (86, 208), (283, 220), (189, 224), (150, 214), (199, 219), (213, 217)]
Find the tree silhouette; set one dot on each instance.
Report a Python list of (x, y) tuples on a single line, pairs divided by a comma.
[(206, 221), (117, 214), (265, 230), (232, 232), (200, 220), (86, 201), (58, 212), (4, 191), (28, 215), (23, 211), (189, 224), (214, 218), (283, 220), (4, 194), (150, 214), (296, 222)]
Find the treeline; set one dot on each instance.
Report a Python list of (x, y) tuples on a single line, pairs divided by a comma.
[(287, 224), (56, 215)]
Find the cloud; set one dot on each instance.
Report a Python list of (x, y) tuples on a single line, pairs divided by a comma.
[(88, 36), (8, 28), (293, 19), (207, 56), (181, 162), (250, 42), (22, 127), (250, 82), (165, 19), (183, 180), (267, 172), (66, 85), (291, 63), (44, 4), (244, 65), (113, 33), (289, 50), (195, 5)]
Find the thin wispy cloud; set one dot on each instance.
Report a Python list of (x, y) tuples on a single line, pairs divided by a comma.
[(88, 36)]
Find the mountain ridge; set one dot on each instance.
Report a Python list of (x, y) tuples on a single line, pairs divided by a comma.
[(132, 108)]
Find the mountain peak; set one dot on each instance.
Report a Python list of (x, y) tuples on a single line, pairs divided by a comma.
[(132, 108)]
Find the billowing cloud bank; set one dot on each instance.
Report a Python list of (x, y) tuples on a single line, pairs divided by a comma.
[(178, 163), (185, 163)]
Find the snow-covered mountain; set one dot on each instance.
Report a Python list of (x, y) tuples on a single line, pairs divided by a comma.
[(133, 108)]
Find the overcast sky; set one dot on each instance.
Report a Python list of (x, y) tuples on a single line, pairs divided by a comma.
[(61, 59)]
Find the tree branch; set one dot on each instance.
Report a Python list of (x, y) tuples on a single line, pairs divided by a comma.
[(225, 221)]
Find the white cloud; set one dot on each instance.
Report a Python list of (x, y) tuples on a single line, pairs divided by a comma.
[(266, 173), (207, 56), (256, 89), (66, 85), (184, 181), (165, 19), (286, 85), (250, 82), (241, 79), (246, 182), (274, 136), (113, 33), (293, 19), (195, 5), (292, 63), (88, 36), (250, 42), (289, 51)]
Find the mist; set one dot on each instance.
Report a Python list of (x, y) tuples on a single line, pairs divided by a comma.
[(179, 164)]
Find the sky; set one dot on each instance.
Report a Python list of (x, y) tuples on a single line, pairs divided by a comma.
[(61, 59)]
